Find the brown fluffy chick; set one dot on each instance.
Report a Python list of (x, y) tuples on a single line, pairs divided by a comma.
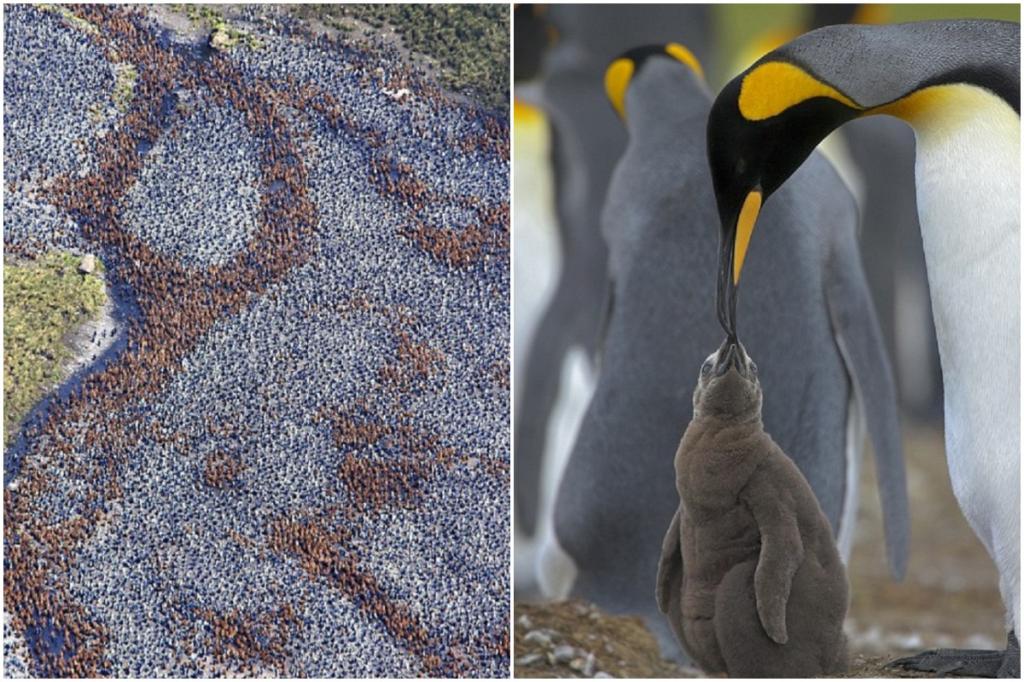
[(750, 577)]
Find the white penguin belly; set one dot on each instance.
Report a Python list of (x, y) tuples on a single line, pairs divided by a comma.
[(968, 192)]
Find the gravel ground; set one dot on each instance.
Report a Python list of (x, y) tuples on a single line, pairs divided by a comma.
[(293, 458), (950, 597)]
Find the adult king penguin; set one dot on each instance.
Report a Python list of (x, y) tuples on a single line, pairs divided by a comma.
[(556, 369), (957, 83), (816, 338)]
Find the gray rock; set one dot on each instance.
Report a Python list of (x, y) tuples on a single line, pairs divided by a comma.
[(529, 659), (564, 653), (538, 637), (590, 666), (88, 264)]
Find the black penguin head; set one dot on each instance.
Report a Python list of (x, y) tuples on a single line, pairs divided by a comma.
[(762, 126), (623, 69), (728, 385)]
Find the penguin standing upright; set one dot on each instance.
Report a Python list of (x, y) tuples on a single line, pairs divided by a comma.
[(586, 140), (764, 593), (816, 338), (957, 83)]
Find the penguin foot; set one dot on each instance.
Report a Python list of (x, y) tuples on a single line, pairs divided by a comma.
[(1010, 666), (966, 662)]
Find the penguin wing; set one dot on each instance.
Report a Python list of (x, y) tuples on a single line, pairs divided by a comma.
[(606, 318), (857, 333), (670, 566)]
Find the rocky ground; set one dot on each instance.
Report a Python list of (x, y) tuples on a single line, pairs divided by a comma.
[(949, 598)]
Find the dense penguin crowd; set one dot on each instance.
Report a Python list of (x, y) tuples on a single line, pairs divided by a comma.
[(294, 458)]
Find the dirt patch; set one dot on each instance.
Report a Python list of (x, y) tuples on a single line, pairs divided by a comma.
[(560, 639), (557, 639)]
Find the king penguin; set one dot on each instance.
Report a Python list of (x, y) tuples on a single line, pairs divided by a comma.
[(811, 324), (587, 139), (957, 83)]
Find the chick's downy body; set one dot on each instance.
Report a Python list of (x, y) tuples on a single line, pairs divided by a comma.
[(764, 593)]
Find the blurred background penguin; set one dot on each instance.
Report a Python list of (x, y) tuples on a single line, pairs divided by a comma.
[(567, 141)]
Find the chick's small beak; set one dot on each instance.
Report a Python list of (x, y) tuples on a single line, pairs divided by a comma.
[(726, 361), (732, 357)]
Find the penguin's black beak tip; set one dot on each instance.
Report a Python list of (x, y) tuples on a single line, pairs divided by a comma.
[(737, 227), (731, 358), (726, 303)]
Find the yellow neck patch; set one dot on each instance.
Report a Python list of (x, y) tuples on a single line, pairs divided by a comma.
[(939, 108), (616, 80), (773, 87), (744, 231), (685, 56), (525, 114)]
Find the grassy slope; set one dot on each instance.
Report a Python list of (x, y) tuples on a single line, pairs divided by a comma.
[(470, 43), (43, 300)]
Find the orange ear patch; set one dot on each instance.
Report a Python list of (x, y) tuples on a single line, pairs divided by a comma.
[(616, 80), (773, 87), (683, 55)]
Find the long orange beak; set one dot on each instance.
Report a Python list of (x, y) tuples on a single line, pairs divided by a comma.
[(733, 252)]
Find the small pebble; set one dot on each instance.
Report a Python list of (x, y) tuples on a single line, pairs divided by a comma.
[(88, 264), (529, 659), (538, 637), (590, 666)]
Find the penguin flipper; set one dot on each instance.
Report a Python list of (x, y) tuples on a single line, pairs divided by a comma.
[(606, 319), (859, 337), (544, 360), (670, 566)]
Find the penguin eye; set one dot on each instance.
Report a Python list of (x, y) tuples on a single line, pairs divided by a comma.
[(753, 367), (705, 369)]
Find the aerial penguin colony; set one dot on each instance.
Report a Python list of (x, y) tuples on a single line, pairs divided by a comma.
[(294, 459)]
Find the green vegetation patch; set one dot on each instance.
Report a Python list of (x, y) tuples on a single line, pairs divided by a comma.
[(226, 36), (70, 17), (44, 299), (470, 43), (125, 77), (223, 36)]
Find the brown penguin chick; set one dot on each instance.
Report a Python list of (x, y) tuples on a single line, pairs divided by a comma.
[(749, 577)]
